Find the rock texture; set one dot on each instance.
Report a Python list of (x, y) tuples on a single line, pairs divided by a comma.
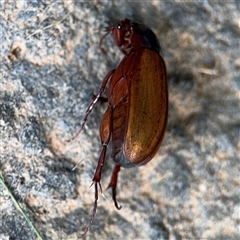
[(51, 65)]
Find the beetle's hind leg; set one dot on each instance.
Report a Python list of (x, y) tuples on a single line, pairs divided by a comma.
[(113, 185), (105, 133), (93, 212)]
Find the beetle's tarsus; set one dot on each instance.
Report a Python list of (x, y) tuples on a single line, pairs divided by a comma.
[(113, 185), (114, 194), (94, 210)]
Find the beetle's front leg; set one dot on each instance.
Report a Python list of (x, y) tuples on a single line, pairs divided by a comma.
[(105, 133)]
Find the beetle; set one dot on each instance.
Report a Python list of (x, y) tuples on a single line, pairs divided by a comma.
[(137, 112)]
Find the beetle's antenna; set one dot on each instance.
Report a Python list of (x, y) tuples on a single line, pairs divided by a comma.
[(108, 29)]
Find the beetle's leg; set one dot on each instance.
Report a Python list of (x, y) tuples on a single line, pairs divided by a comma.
[(94, 101), (96, 180), (105, 133), (113, 185), (100, 99)]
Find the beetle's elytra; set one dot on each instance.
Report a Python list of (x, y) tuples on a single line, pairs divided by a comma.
[(136, 117)]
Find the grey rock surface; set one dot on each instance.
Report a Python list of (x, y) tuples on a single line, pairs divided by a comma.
[(51, 64)]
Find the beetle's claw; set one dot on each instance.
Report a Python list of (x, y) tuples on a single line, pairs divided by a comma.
[(114, 194), (100, 186), (118, 207)]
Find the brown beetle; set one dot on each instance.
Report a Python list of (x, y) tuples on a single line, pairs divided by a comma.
[(137, 112)]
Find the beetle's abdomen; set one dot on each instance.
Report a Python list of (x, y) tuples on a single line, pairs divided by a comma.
[(118, 97), (118, 133)]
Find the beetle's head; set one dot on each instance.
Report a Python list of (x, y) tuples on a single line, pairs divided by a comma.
[(130, 36)]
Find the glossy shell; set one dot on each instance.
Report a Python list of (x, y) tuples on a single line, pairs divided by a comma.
[(139, 97)]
